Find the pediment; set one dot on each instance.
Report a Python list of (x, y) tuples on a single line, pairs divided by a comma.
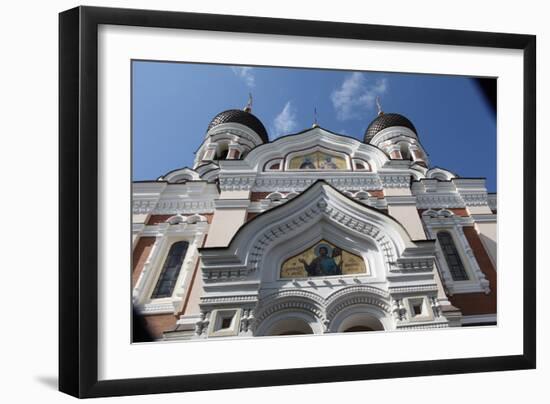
[(314, 139), (322, 207)]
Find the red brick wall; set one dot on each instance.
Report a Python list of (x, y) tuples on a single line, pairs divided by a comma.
[(139, 256), (258, 196), (478, 303), (157, 324), (156, 219)]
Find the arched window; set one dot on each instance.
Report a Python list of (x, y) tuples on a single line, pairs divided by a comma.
[(404, 149), (170, 270), (454, 262), (223, 150)]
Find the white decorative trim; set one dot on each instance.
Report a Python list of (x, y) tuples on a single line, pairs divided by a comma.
[(401, 200), (408, 327), (394, 132), (237, 129), (185, 173), (485, 218), (236, 183), (172, 206), (395, 181), (159, 307), (397, 290), (440, 174), (224, 300), (143, 206), (231, 203), (435, 201), (315, 137), (475, 199), (299, 181)]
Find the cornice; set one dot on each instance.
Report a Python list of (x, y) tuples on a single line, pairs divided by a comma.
[(231, 203)]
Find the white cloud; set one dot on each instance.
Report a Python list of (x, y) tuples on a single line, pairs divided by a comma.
[(245, 73), (285, 122), (356, 95)]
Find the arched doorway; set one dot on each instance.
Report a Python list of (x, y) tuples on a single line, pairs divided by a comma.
[(358, 328), (360, 318), (290, 326), (360, 322)]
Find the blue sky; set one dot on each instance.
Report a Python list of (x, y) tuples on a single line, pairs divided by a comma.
[(174, 102)]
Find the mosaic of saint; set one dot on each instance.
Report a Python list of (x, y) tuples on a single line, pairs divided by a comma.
[(317, 160), (323, 259)]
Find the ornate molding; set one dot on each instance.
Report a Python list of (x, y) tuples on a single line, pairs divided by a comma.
[(423, 326), (242, 183), (304, 294), (223, 300), (232, 129), (412, 289), (356, 290), (159, 308), (407, 265), (357, 300), (395, 181), (475, 199), (426, 201), (321, 208), (296, 183), (175, 206), (143, 206), (289, 305)]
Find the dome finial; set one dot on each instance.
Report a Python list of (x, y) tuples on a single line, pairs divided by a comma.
[(379, 106), (315, 124), (248, 107)]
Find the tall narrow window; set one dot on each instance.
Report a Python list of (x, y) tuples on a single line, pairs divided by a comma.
[(458, 272), (170, 270)]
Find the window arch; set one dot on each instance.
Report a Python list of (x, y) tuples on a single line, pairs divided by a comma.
[(405, 152), (170, 270), (222, 151), (452, 257)]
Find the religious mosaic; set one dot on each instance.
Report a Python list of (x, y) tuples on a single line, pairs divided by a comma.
[(318, 160), (323, 259)]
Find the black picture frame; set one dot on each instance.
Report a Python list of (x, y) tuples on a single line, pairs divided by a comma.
[(78, 195)]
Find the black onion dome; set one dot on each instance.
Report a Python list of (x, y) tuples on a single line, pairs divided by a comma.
[(242, 117), (384, 121)]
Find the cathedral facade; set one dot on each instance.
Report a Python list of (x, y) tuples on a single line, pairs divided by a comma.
[(311, 233)]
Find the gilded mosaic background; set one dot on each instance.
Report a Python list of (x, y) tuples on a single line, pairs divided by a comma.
[(323, 259)]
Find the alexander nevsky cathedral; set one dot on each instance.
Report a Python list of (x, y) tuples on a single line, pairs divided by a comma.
[(311, 233)]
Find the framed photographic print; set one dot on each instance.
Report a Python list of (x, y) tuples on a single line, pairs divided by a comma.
[(251, 201)]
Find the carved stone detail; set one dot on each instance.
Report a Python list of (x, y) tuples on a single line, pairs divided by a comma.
[(231, 183), (293, 184), (399, 310), (395, 181)]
